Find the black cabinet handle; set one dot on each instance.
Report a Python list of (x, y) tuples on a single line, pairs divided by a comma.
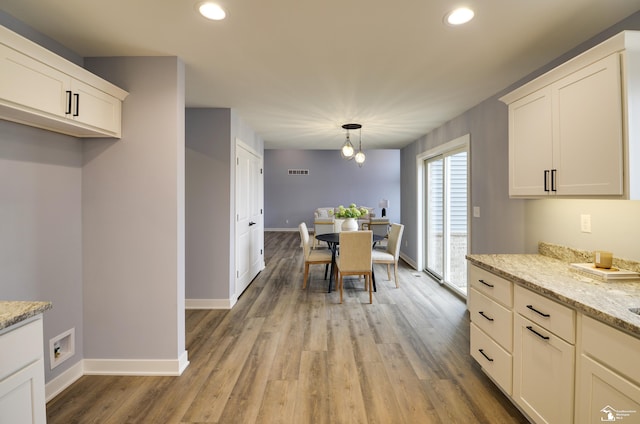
[(553, 180), (68, 111), (486, 284), (546, 180), (77, 98), (251, 223), (536, 333), (482, 313), (485, 355), (542, 314)]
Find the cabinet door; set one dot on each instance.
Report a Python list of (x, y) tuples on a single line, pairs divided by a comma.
[(22, 398), (42, 89), (95, 108), (604, 396), (588, 136), (543, 371), (530, 143)]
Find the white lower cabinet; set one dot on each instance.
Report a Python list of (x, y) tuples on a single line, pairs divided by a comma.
[(557, 365), (543, 357), (608, 377), (543, 371), (22, 398), (490, 303)]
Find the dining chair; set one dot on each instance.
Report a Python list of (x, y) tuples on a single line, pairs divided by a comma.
[(355, 259), (322, 226), (312, 256), (379, 226), (391, 255)]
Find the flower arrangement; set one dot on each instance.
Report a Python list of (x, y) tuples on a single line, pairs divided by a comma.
[(351, 212)]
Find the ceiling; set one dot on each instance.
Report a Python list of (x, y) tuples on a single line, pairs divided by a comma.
[(296, 70)]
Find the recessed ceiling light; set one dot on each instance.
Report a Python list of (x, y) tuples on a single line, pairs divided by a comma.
[(211, 11), (459, 16)]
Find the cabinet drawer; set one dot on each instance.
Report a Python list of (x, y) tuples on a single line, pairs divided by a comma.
[(20, 347), (491, 285), (492, 318), (618, 350), (557, 318), (494, 360)]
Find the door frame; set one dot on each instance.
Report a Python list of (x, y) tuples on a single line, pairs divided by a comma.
[(455, 144)]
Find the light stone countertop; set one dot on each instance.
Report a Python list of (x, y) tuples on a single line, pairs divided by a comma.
[(13, 312), (608, 302)]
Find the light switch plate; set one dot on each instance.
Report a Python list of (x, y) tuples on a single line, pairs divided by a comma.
[(476, 211), (585, 223)]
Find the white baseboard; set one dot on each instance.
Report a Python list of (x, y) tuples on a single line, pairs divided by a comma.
[(208, 303), (142, 367), (54, 387), (409, 261), (294, 229), (150, 367)]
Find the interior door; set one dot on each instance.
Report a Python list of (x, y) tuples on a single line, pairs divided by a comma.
[(249, 217)]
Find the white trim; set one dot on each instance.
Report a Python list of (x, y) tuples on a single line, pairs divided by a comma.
[(285, 229), (208, 303), (54, 387), (142, 367), (408, 260)]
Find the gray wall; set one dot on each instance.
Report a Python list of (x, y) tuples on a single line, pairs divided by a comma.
[(133, 217), (211, 135), (41, 227), (332, 181), (512, 225)]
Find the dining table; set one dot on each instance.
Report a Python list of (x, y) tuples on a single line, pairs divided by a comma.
[(333, 240)]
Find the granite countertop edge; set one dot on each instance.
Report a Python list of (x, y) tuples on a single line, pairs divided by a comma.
[(14, 312), (608, 302)]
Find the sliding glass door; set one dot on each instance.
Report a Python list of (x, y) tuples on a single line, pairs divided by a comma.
[(446, 218)]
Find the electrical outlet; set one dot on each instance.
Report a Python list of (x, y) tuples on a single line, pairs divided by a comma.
[(585, 223)]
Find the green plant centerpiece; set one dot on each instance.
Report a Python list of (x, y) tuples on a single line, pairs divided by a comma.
[(351, 212)]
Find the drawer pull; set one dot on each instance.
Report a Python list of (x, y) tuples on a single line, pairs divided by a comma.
[(536, 333), (538, 312), (486, 284), (485, 355), (482, 313)]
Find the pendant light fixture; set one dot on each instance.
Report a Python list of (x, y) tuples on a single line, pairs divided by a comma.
[(348, 150)]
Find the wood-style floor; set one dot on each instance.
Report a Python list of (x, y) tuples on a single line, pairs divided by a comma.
[(287, 355)]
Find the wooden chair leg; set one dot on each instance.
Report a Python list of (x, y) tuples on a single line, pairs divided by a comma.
[(306, 275), (368, 277), (395, 271), (388, 272), (341, 283)]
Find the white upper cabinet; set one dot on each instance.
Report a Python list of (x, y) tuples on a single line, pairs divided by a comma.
[(41, 89), (569, 129)]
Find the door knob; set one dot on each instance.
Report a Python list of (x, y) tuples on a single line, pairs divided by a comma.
[(251, 223)]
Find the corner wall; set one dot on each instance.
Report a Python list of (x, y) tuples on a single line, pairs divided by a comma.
[(133, 223)]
